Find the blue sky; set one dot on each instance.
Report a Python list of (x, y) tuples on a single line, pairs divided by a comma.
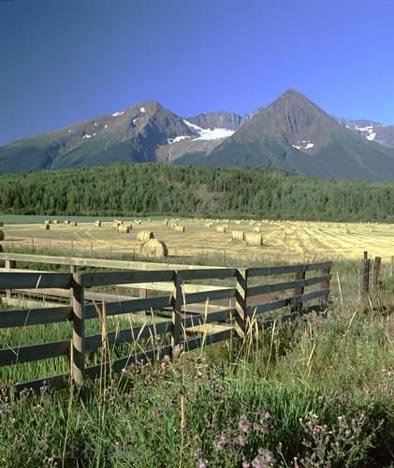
[(62, 61)]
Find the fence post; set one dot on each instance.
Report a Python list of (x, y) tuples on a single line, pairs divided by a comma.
[(300, 275), (78, 335), (376, 274), (177, 300), (9, 265), (241, 297), (325, 285), (365, 274)]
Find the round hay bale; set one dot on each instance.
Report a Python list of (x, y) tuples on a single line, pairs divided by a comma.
[(47, 221), (97, 223), (66, 221), (123, 228), (47, 227), (55, 221), (257, 229), (208, 225), (75, 223), (221, 228), (179, 228), (153, 248), (238, 235), (253, 239), (143, 236), (166, 222)]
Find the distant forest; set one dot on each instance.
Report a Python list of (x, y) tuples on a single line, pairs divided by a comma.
[(149, 189)]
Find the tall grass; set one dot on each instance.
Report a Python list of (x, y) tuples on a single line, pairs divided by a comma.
[(314, 393)]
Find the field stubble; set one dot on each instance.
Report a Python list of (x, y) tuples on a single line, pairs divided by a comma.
[(283, 241)]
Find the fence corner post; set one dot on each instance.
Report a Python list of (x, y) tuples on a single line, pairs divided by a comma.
[(78, 334), (241, 308), (176, 315)]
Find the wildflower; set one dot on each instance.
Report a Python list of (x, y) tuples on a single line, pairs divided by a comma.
[(245, 426), (264, 459), (224, 441), (240, 440)]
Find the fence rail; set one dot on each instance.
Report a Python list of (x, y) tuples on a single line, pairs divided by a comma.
[(191, 310)]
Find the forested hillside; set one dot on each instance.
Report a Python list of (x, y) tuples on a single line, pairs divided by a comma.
[(137, 189)]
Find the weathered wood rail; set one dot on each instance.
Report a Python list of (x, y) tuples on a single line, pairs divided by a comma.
[(235, 309)]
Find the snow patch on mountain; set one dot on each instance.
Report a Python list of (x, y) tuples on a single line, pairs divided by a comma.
[(117, 114), (209, 133), (177, 139), (303, 145)]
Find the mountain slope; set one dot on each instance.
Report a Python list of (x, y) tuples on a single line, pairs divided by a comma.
[(296, 135), (221, 119), (131, 135), (143, 133), (372, 131)]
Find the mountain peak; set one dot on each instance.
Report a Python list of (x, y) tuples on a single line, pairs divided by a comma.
[(292, 92), (294, 96)]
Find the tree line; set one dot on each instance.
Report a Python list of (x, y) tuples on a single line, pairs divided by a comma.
[(148, 189)]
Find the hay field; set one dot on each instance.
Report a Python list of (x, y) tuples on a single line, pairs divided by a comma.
[(289, 241)]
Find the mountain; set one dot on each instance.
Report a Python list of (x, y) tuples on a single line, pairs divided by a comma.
[(129, 135), (146, 132), (292, 133), (372, 131), (296, 135)]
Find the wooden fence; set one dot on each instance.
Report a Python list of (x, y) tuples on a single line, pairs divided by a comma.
[(189, 308)]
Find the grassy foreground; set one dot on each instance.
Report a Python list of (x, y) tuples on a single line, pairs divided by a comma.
[(316, 393)]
